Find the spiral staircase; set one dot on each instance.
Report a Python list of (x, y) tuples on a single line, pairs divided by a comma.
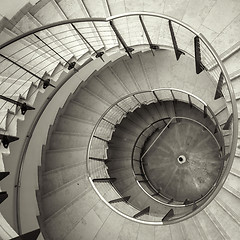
[(130, 120)]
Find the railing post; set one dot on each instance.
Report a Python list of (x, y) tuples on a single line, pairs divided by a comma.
[(70, 65), (198, 63), (151, 45), (228, 123), (205, 111), (190, 101), (33, 235), (99, 159), (143, 212), (120, 38), (3, 175), (104, 180), (169, 215), (177, 51), (123, 199), (98, 54), (3, 196), (218, 93), (225, 157)]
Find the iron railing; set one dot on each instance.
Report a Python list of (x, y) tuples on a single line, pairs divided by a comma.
[(36, 59), (101, 179), (154, 193)]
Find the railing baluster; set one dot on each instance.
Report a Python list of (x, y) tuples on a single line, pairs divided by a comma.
[(205, 111), (169, 215), (3, 175), (100, 138), (104, 179), (152, 46), (24, 107), (174, 105), (127, 48), (186, 202), (33, 235), (3, 196), (99, 159), (143, 212), (156, 193), (198, 63), (225, 157), (46, 82), (155, 95), (123, 199), (177, 51), (228, 123), (71, 65), (98, 54), (190, 101), (218, 93), (195, 206), (143, 180)]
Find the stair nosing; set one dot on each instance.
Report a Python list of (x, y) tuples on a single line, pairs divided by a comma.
[(46, 195), (228, 210), (55, 170), (55, 214), (217, 224)]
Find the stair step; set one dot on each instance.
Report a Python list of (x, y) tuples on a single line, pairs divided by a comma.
[(113, 221), (91, 100), (209, 227), (191, 230), (67, 140), (63, 195), (112, 83), (74, 210), (55, 178), (123, 74), (177, 231), (96, 87), (74, 125), (76, 110), (224, 198), (224, 221), (63, 157)]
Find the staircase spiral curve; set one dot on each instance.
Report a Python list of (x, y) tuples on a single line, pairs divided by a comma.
[(144, 146)]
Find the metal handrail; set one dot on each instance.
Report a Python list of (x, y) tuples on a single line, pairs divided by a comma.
[(202, 199), (186, 26), (134, 146)]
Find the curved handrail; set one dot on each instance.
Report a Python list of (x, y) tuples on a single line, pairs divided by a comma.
[(134, 146), (202, 199), (202, 38)]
